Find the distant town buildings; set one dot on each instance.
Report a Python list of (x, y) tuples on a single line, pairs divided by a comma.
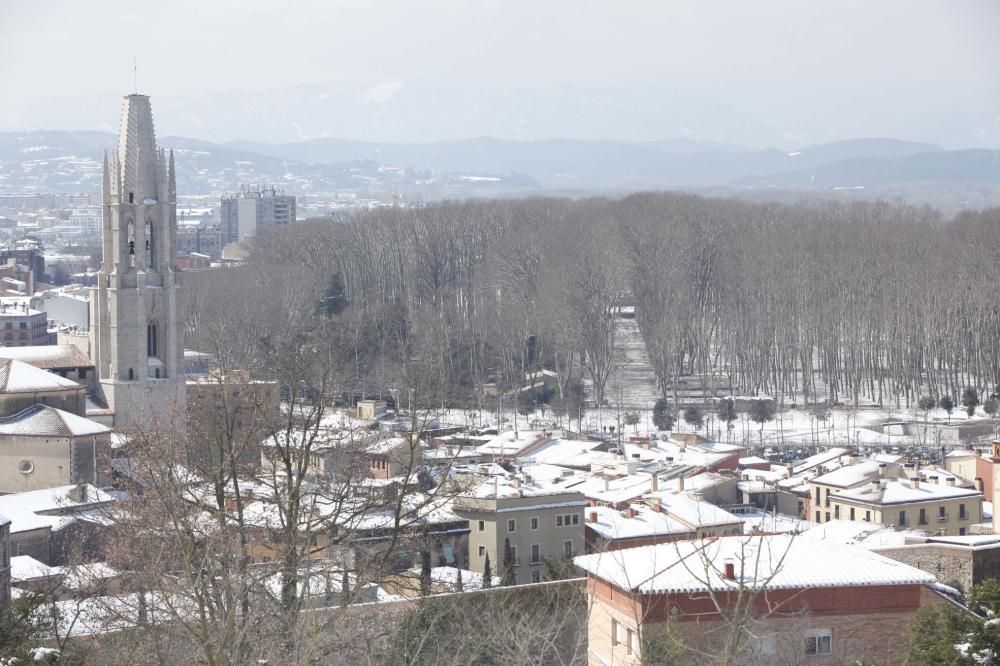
[(23, 326), (252, 209)]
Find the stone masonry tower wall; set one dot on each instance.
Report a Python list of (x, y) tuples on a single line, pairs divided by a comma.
[(136, 335)]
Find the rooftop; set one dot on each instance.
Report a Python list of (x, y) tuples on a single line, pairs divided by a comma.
[(45, 421), (47, 356), (613, 524), (19, 377), (761, 562), (902, 491)]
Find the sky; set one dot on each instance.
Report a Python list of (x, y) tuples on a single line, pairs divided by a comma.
[(783, 73)]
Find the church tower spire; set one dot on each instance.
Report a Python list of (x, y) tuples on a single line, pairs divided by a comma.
[(136, 337)]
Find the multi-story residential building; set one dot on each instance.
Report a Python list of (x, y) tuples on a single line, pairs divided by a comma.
[(811, 602), (822, 487), (539, 521), (938, 505), (22, 326), (252, 209)]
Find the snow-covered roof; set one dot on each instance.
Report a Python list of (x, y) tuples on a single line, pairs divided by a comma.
[(819, 459), (51, 508), (570, 452), (45, 421), (850, 475), (613, 524), (901, 491), (20, 377), (24, 568), (79, 576), (761, 562), (47, 356), (854, 532), (754, 460), (511, 443)]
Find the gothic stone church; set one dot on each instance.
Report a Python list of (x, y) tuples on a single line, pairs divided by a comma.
[(54, 431)]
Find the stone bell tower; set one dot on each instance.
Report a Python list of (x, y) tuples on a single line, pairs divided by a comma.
[(135, 337)]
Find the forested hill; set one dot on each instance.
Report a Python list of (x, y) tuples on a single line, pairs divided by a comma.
[(808, 303), (862, 168)]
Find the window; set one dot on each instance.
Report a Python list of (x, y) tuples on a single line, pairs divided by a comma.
[(131, 374), (567, 549), (628, 641), (961, 512), (151, 340), (868, 516), (902, 518), (511, 525), (24, 325), (482, 525), (852, 513), (923, 516), (819, 642), (942, 515), (827, 516), (513, 556), (534, 522), (576, 519), (961, 531), (536, 576), (616, 633), (818, 520), (836, 512), (536, 553), (559, 521), (482, 551), (817, 496)]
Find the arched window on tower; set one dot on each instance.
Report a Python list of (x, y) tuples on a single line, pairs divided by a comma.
[(130, 239), (151, 341), (149, 245)]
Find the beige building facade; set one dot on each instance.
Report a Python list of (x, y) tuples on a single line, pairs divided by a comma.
[(539, 526)]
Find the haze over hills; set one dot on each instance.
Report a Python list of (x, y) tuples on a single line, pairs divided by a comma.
[(69, 161)]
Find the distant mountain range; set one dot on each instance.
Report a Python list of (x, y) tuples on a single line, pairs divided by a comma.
[(60, 161)]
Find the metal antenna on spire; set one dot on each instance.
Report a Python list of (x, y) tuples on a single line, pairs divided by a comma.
[(135, 74)]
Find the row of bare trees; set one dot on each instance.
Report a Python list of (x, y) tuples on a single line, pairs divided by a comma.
[(809, 303)]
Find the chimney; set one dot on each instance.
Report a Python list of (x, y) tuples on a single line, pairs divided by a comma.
[(875, 485), (914, 482), (654, 483), (680, 484), (950, 481), (79, 493), (629, 512), (657, 507), (934, 478), (592, 518), (730, 568)]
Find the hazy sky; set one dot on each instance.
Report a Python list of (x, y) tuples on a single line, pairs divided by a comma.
[(761, 73)]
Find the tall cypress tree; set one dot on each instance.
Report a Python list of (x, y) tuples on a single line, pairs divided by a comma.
[(508, 564), (487, 574), (425, 573)]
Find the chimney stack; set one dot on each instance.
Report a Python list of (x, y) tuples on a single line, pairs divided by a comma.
[(680, 484), (914, 482), (592, 517), (950, 481), (654, 483), (730, 568)]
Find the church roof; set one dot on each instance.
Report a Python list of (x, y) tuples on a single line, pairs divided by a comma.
[(48, 356), (19, 377), (46, 421)]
